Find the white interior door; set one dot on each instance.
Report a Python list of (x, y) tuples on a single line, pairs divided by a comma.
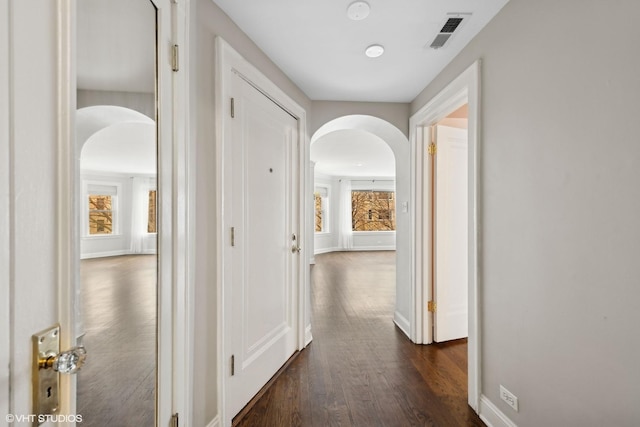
[(451, 237), (261, 327)]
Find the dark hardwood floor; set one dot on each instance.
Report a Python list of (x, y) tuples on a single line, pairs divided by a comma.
[(360, 370), (116, 387)]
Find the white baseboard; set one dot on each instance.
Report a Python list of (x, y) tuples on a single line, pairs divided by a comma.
[(307, 336), (492, 416), (326, 250), (104, 254), (356, 249), (373, 248), (402, 323), (215, 422), (115, 253)]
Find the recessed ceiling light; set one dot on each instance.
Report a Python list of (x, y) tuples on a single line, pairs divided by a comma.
[(374, 51), (358, 10)]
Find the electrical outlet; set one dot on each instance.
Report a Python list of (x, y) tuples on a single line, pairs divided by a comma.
[(509, 398)]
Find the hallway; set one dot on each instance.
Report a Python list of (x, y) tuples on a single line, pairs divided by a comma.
[(360, 370)]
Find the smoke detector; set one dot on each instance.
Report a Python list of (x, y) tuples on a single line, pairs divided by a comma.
[(358, 10), (450, 26)]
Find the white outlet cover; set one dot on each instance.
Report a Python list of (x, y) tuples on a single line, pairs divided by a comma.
[(509, 398)]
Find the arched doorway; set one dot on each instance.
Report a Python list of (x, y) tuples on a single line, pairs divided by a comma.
[(399, 144)]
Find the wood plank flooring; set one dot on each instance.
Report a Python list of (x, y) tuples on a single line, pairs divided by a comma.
[(116, 387), (360, 370)]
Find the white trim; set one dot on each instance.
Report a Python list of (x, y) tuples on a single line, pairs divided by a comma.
[(465, 88), (5, 210), (307, 336), (326, 251), (229, 61), (492, 416), (183, 203), (104, 254), (362, 249), (402, 323), (68, 242), (215, 422)]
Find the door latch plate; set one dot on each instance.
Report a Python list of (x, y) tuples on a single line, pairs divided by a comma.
[(45, 381)]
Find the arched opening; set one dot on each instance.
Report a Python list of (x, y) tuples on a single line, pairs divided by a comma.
[(372, 143), (118, 231)]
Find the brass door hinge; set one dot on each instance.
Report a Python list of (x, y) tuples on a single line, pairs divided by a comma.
[(175, 420), (432, 149), (233, 108), (175, 58), (233, 236), (431, 307)]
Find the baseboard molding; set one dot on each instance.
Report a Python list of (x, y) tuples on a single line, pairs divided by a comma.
[(115, 253), (307, 336), (215, 422), (402, 323), (104, 254), (326, 250), (492, 416), (372, 248), (358, 249)]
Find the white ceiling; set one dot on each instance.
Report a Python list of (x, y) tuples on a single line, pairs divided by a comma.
[(313, 42), (353, 153), (322, 51)]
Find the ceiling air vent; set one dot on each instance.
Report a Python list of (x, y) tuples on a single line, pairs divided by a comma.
[(450, 26)]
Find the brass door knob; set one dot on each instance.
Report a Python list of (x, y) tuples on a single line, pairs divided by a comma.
[(66, 362), (295, 249)]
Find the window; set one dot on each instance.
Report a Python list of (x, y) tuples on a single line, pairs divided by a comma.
[(373, 210), (321, 201), (101, 208), (152, 215), (100, 214)]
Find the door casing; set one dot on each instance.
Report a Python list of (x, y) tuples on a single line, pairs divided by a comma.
[(229, 61), (464, 89)]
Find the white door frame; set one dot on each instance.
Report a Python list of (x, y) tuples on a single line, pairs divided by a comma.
[(464, 89), (5, 210), (176, 186), (229, 61)]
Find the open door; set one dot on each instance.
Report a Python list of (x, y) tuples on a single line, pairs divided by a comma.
[(40, 199), (451, 236)]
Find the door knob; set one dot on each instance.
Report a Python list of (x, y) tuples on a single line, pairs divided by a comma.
[(48, 363), (66, 362), (295, 249)]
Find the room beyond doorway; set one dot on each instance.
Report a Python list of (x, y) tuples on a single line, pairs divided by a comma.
[(385, 134)]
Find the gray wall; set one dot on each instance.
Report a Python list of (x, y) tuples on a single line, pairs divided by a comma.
[(138, 101), (560, 202), (208, 21)]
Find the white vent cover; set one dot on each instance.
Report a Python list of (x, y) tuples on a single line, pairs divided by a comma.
[(451, 24)]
